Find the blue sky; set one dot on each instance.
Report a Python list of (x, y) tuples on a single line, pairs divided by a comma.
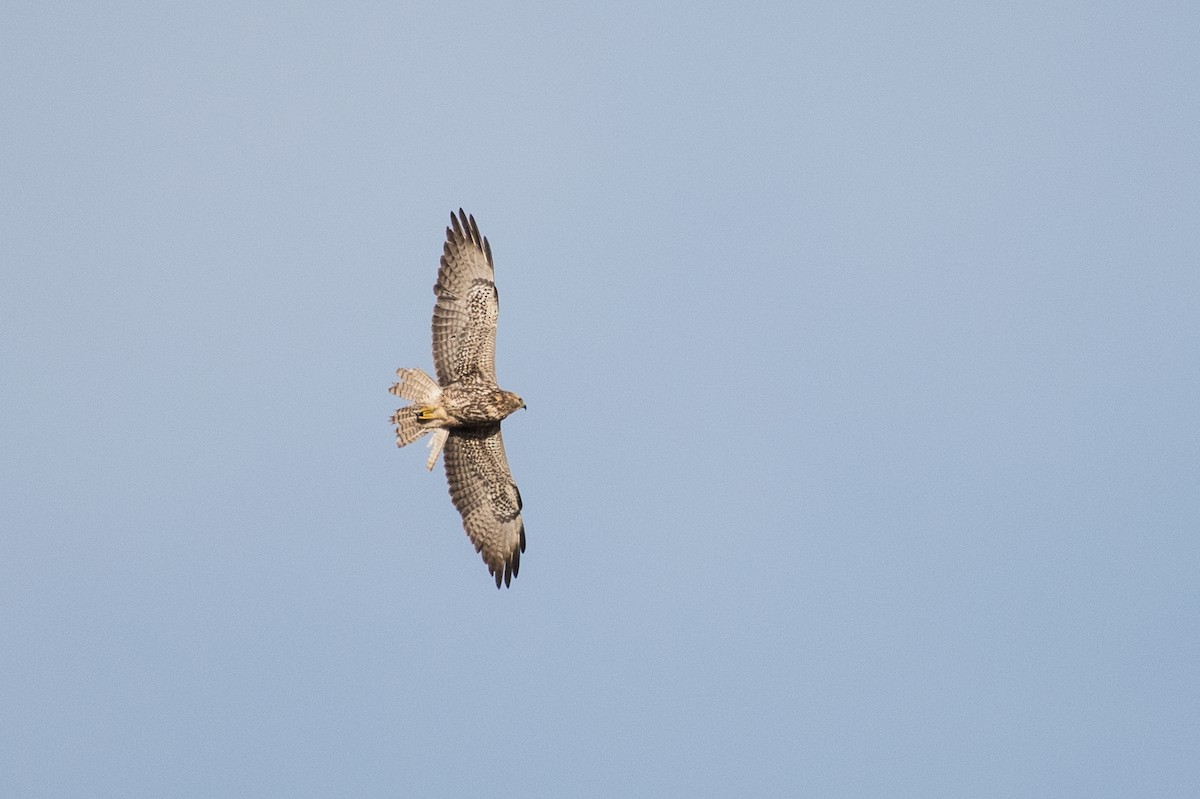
[(861, 354)]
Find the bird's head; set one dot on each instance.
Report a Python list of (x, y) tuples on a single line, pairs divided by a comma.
[(508, 402)]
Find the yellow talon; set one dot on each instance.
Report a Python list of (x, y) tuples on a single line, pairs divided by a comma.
[(429, 413)]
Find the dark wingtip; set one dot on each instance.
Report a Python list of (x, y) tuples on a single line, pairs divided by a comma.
[(464, 228)]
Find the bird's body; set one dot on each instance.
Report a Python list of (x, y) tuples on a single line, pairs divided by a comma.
[(463, 408), (472, 403)]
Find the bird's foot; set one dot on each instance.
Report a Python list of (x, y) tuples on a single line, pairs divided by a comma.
[(431, 413)]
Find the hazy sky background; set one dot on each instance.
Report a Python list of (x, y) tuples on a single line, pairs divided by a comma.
[(862, 356)]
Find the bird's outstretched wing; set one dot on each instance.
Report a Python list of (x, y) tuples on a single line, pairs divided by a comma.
[(484, 493), (464, 318)]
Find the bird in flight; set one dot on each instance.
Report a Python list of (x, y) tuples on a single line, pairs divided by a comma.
[(463, 408)]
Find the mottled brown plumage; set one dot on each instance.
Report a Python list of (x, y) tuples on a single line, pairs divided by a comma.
[(464, 407)]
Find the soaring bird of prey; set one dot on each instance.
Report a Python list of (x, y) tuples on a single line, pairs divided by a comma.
[(463, 408)]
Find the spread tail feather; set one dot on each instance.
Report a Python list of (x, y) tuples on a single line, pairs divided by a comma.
[(436, 442), (408, 427), (420, 388), (416, 386)]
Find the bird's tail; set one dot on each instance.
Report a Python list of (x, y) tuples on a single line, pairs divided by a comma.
[(408, 427), (416, 386), (423, 390)]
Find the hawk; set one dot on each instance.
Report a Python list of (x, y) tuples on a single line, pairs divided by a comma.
[(463, 408)]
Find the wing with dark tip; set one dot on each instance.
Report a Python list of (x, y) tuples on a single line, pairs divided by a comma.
[(483, 490), (464, 317)]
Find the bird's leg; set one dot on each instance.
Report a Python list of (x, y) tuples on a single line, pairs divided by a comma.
[(432, 413)]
